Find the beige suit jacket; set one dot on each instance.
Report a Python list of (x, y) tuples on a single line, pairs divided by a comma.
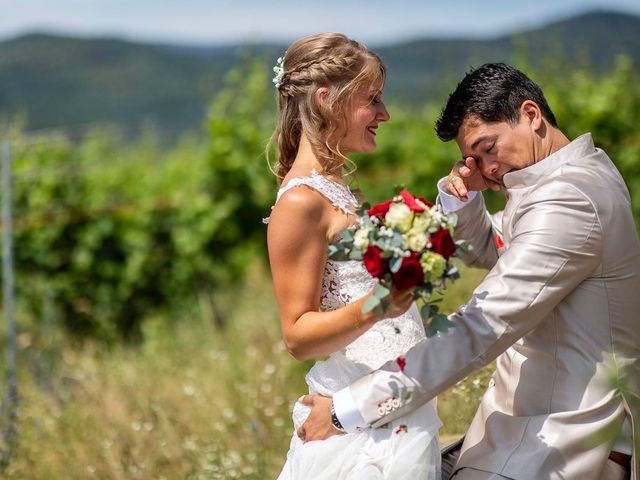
[(559, 309)]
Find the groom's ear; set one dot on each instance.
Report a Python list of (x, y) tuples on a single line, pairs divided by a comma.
[(531, 111)]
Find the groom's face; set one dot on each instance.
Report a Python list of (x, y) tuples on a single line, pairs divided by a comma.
[(498, 147)]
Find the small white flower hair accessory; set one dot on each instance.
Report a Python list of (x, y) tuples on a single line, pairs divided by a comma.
[(279, 71)]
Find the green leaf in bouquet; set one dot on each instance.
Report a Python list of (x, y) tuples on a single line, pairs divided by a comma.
[(427, 311), (439, 323), (397, 240), (370, 304), (361, 211), (367, 223), (347, 236), (337, 252), (381, 242), (453, 273), (464, 246), (355, 255), (381, 291), (395, 263), (424, 291)]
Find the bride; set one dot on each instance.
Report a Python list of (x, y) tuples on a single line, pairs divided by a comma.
[(329, 94)]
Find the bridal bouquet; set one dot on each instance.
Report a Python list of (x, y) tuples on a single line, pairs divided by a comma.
[(405, 242)]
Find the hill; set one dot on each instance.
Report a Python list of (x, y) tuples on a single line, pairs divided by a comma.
[(59, 81)]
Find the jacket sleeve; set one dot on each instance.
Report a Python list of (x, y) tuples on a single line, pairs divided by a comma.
[(555, 244), (478, 228)]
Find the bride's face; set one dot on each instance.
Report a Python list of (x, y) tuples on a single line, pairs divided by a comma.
[(366, 112)]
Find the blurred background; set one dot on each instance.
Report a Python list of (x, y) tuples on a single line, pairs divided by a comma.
[(140, 335)]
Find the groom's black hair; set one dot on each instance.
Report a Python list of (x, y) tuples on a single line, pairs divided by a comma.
[(493, 92)]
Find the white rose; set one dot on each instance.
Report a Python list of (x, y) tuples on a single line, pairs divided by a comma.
[(415, 239), (423, 221), (361, 239), (399, 216)]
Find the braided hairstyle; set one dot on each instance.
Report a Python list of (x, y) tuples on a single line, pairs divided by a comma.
[(332, 61)]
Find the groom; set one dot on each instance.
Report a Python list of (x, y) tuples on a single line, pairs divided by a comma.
[(559, 308)]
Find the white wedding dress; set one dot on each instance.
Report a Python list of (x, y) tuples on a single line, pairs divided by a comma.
[(389, 452)]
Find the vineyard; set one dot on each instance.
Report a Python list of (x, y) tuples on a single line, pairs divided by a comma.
[(148, 343)]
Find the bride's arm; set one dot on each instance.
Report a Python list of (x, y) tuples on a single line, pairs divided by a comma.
[(297, 241)]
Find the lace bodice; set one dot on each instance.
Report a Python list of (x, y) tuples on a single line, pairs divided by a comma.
[(340, 196), (344, 282)]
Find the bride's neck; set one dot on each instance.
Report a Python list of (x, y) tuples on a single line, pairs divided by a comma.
[(306, 160)]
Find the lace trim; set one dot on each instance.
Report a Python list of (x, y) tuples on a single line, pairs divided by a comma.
[(339, 195), (342, 284)]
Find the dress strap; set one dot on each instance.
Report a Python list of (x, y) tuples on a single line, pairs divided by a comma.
[(339, 195)]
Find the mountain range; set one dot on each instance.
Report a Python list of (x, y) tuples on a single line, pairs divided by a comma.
[(57, 81)]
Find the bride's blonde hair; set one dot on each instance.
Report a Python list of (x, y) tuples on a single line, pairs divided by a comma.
[(332, 61)]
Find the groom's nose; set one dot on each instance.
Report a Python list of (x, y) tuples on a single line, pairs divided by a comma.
[(488, 167)]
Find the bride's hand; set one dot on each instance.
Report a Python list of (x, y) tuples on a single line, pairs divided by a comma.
[(399, 301)]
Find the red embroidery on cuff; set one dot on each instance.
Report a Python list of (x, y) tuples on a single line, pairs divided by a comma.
[(401, 362)]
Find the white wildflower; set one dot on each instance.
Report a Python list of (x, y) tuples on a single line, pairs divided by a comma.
[(361, 239)]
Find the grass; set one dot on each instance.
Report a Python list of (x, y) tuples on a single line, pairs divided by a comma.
[(191, 402)]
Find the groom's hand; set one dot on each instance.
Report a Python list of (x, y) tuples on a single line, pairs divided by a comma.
[(318, 425), (466, 176)]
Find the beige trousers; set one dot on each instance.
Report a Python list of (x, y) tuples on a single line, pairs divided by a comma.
[(612, 471)]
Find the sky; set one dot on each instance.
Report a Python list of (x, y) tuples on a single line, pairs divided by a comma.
[(213, 22)]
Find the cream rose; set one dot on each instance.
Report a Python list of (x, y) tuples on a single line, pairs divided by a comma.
[(415, 239), (423, 221), (399, 216)]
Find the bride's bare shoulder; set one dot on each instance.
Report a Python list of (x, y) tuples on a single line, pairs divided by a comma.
[(299, 204)]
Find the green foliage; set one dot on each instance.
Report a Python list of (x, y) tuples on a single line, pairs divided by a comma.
[(109, 233), (190, 403), (606, 105)]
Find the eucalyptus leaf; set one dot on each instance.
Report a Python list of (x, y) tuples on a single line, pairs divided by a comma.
[(397, 240), (366, 222), (395, 263), (355, 255), (439, 323), (347, 235), (381, 291), (371, 303)]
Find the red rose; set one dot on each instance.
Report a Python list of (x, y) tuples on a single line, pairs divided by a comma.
[(380, 210), (442, 243), (410, 273), (374, 263), (410, 200)]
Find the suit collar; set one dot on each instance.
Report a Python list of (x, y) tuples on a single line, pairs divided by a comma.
[(526, 177)]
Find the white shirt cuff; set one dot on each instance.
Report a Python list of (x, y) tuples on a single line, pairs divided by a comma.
[(450, 203), (347, 412)]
